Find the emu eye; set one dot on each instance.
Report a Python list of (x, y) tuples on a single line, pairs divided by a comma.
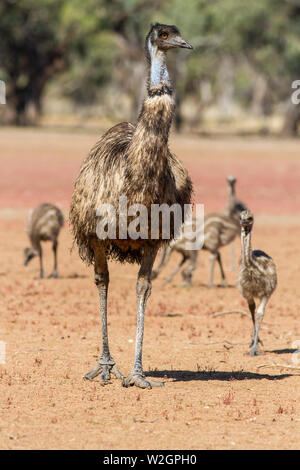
[(164, 35)]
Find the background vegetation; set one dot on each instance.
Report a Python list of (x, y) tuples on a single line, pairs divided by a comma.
[(85, 58)]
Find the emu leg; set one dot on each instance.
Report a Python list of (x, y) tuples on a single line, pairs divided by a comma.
[(212, 268), (188, 272), (170, 277), (224, 282), (106, 365), (164, 258), (251, 305), (232, 256), (41, 262), (55, 272), (143, 290), (259, 318)]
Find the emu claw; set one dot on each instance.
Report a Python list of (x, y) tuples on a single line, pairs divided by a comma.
[(105, 370), (255, 352), (54, 275), (140, 381)]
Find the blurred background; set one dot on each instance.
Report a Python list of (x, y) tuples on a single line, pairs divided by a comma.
[(72, 69), (75, 63)]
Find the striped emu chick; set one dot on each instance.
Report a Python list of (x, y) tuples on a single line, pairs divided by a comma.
[(257, 278), (233, 209), (234, 206), (219, 230), (43, 224), (132, 161)]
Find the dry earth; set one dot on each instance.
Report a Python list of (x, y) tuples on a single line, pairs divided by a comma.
[(215, 396)]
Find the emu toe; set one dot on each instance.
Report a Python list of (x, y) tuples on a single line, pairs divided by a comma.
[(104, 371), (255, 352), (140, 381), (54, 275)]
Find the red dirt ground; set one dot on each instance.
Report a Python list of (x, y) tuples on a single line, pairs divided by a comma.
[(215, 396)]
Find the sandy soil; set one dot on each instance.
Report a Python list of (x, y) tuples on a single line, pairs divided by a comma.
[(215, 396)]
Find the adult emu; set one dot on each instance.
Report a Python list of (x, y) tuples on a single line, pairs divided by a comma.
[(133, 161)]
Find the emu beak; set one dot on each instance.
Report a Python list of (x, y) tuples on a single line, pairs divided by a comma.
[(179, 42)]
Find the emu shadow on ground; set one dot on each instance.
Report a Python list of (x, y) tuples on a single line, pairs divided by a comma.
[(187, 375), (282, 351)]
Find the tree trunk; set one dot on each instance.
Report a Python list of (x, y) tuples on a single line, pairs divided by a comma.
[(260, 89), (226, 87), (292, 121)]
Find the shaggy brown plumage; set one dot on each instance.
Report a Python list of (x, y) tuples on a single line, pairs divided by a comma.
[(133, 161), (43, 224), (257, 277)]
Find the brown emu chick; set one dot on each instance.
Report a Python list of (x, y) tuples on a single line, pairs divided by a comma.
[(234, 206), (132, 161), (43, 224), (233, 209), (219, 230), (257, 278)]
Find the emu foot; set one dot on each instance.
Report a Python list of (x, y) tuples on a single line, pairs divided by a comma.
[(104, 370), (54, 275), (139, 380), (255, 352), (186, 283)]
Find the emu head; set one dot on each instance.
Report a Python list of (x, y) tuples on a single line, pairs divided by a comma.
[(246, 221), (165, 37), (28, 254), (231, 180)]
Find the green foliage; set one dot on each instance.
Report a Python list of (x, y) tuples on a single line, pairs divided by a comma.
[(98, 43)]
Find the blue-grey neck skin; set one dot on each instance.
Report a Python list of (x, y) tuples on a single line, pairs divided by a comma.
[(158, 71)]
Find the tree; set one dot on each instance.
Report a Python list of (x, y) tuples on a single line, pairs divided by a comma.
[(266, 33), (33, 48)]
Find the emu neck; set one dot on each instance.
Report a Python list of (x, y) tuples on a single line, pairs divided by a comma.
[(159, 75), (148, 149), (35, 243), (246, 247), (231, 199)]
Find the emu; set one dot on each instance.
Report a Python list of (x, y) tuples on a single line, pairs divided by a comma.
[(233, 209), (43, 224), (257, 278), (234, 206), (219, 230), (133, 161)]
